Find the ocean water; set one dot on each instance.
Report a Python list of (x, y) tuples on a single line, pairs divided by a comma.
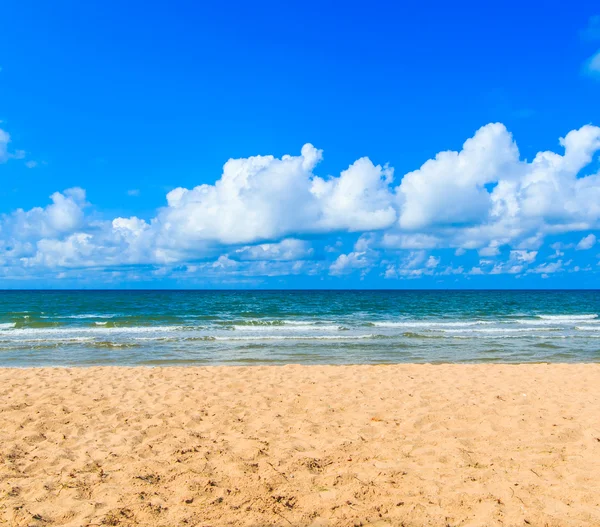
[(84, 328)]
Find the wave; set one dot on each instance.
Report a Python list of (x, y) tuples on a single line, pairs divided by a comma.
[(7, 325), (413, 335), (111, 345), (270, 323), (87, 315), (547, 345), (432, 324), (552, 322), (36, 324), (588, 328), (567, 318), (98, 330), (492, 336), (500, 330), (53, 340), (294, 327), (298, 337)]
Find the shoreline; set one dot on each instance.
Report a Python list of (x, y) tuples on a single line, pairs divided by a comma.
[(259, 364), (386, 444)]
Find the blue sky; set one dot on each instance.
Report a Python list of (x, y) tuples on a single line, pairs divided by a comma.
[(127, 104)]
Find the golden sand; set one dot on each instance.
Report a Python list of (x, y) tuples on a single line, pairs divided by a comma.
[(413, 445)]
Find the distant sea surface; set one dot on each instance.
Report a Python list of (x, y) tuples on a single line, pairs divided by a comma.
[(85, 328)]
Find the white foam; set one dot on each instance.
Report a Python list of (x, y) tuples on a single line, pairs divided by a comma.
[(588, 328), (497, 336), (419, 324), (550, 322), (7, 325), (100, 330), (296, 337), (61, 339), (499, 330), (567, 318), (86, 315), (294, 327), (251, 323)]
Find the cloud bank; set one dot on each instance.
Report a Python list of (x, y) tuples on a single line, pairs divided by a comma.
[(268, 216)]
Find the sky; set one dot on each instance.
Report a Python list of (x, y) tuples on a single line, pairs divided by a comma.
[(299, 144)]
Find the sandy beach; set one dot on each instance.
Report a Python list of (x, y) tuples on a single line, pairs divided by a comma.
[(412, 445)]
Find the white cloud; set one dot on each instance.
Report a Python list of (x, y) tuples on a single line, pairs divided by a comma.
[(586, 243), (4, 140), (449, 189), (65, 214), (346, 263), (286, 250), (414, 265), (258, 215), (364, 242), (133, 192), (334, 248), (77, 250), (518, 261), (548, 268), (359, 200), (393, 240), (432, 262), (264, 198), (5, 155), (414, 259), (592, 65), (484, 196), (452, 270), (523, 256), (491, 250), (224, 262)]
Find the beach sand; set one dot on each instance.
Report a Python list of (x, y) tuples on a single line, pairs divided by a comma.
[(413, 445)]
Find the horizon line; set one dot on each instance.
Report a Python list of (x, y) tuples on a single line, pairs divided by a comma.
[(298, 290)]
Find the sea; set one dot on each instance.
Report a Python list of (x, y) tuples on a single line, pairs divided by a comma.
[(163, 328)]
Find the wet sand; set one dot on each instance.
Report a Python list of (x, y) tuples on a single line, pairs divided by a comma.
[(412, 445)]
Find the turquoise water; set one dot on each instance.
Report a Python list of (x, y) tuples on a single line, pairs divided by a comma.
[(85, 328)]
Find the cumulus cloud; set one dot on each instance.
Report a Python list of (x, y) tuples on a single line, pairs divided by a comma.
[(77, 250), (263, 198), (346, 263), (272, 215), (450, 189), (485, 197), (65, 214)]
